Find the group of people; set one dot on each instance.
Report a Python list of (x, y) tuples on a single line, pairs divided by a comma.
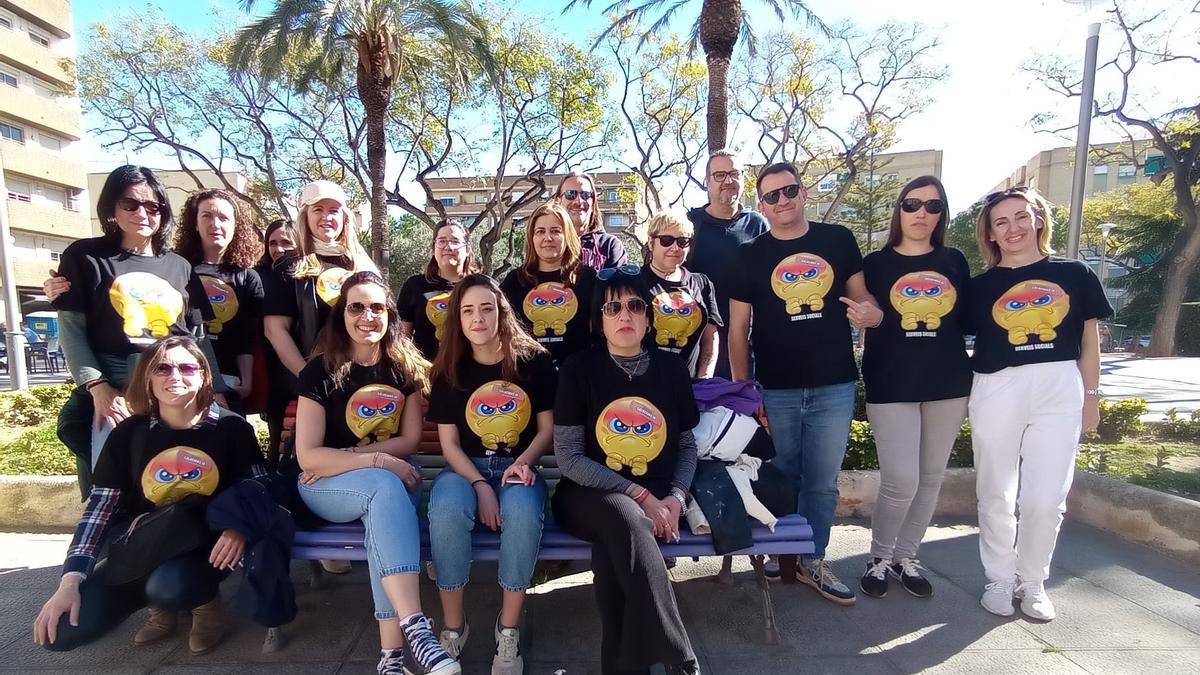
[(575, 352)]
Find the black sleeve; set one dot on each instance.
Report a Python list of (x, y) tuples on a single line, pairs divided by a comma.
[(84, 278), (1095, 303), (199, 308), (255, 292), (246, 450), (570, 399), (616, 254), (962, 282), (708, 297), (441, 403), (314, 381), (689, 414), (854, 259), (740, 288), (511, 287), (585, 286), (279, 295), (112, 468), (543, 381), (404, 303), (760, 225)]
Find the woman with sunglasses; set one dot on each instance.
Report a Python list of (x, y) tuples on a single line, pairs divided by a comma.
[(279, 244), (175, 445), (492, 399), (358, 418), (425, 297), (222, 245), (117, 294), (686, 317), (1036, 388), (622, 436), (552, 289), (921, 286), (598, 249)]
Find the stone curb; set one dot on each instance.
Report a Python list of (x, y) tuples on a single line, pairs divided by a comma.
[(31, 503)]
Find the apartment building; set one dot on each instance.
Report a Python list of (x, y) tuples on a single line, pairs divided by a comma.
[(178, 184), (40, 130), (823, 180), (1110, 166)]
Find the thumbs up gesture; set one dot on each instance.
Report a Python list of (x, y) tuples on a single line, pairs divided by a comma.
[(862, 314)]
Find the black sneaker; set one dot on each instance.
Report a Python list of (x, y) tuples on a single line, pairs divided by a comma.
[(422, 653), (391, 662), (874, 581), (816, 573), (685, 668), (906, 571)]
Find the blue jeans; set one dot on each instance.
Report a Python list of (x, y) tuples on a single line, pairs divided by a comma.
[(810, 428), (389, 513), (452, 517)]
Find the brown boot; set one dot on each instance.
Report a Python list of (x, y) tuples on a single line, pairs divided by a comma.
[(208, 627), (159, 624)]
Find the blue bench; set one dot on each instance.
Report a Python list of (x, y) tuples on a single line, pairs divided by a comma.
[(792, 536)]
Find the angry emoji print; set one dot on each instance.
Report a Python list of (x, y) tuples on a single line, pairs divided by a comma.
[(1033, 307), (497, 412), (923, 297), (802, 279), (631, 432)]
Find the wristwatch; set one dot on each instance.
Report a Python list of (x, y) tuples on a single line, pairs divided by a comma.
[(678, 497), (1097, 392)]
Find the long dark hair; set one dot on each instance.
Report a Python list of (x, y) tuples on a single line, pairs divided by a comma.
[(281, 223), (454, 347), (244, 247), (938, 238), (614, 287), (114, 188), (335, 346), (431, 268)]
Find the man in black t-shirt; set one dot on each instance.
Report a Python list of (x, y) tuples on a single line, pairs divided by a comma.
[(802, 283)]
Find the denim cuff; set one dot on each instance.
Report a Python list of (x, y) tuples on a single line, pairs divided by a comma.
[(451, 587)]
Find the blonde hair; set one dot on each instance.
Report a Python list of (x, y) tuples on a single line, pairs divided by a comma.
[(663, 221), (310, 266), (572, 253), (989, 249)]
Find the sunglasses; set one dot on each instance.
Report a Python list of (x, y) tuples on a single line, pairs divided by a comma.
[(790, 192), (997, 196), (670, 240), (624, 270), (357, 308), (722, 176), (184, 369), (571, 195), (129, 204), (613, 308), (932, 206)]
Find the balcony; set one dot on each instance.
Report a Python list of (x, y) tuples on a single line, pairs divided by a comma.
[(51, 15), (19, 50), (44, 165), (60, 116), (47, 218)]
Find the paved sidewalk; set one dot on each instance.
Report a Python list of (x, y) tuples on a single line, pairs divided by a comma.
[(1165, 383), (1122, 609)]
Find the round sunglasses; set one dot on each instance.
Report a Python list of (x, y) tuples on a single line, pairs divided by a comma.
[(790, 192)]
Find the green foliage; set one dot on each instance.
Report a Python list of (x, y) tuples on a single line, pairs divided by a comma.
[(961, 235), (37, 405), (860, 451), (867, 206), (1177, 427), (37, 452), (1119, 419)]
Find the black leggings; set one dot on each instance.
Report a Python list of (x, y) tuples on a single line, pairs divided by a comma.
[(639, 617), (180, 583)]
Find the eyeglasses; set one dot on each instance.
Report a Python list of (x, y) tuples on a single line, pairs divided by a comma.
[(571, 195), (997, 196), (932, 206), (453, 244), (624, 270), (722, 176), (357, 308), (129, 204), (790, 192), (613, 307), (184, 369), (668, 240)]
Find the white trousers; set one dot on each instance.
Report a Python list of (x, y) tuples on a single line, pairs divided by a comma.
[(1025, 425)]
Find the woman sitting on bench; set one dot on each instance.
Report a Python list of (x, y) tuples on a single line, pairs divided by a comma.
[(622, 435), (493, 400), (358, 416)]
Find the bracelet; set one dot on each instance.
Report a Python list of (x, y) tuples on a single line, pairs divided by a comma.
[(641, 496), (376, 460), (679, 498), (94, 383), (478, 480)]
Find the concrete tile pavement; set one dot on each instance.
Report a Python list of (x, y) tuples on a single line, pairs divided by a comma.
[(1122, 609)]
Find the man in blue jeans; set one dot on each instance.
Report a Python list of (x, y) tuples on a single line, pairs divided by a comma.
[(803, 286)]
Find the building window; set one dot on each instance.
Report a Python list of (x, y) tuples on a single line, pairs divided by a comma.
[(1126, 171), (890, 177), (1154, 164), (614, 221), (8, 78), (5, 22), (480, 198), (55, 255), (613, 196), (1100, 170), (73, 196), (9, 132), (828, 183), (40, 39), (18, 189), (446, 201), (1100, 182), (49, 141), (54, 195)]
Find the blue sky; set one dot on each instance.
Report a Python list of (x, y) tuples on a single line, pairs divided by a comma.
[(978, 117)]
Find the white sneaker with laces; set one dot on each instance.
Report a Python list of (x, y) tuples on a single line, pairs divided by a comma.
[(453, 641), (998, 597), (508, 659), (1035, 604)]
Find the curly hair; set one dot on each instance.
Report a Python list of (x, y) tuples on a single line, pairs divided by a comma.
[(244, 248)]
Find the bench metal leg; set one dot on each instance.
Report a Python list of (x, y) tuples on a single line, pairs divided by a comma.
[(787, 568), (770, 631), (725, 576), (316, 580), (275, 640)]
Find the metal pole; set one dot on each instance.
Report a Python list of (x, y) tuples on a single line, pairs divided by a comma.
[(17, 377), (1086, 102)]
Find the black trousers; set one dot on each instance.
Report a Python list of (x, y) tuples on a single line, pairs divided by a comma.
[(180, 583), (639, 617)]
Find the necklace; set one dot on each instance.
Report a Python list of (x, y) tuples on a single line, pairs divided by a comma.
[(632, 365)]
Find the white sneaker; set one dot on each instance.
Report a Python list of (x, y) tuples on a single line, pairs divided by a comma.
[(508, 659), (998, 597), (453, 641), (1035, 604)]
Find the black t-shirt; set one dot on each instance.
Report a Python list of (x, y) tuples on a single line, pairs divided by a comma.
[(556, 316), (682, 310), (170, 464), (715, 246), (917, 353), (283, 294), (800, 332), (494, 414), (632, 425), (423, 303), (236, 296), (1033, 314), (600, 250), (131, 301), (367, 407)]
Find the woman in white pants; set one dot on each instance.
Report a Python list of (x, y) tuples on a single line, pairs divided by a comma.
[(920, 283), (1036, 388)]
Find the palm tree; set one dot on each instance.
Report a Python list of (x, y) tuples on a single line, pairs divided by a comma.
[(381, 40), (718, 28)]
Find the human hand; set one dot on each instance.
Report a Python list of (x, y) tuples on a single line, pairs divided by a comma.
[(659, 514), (64, 601), (109, 404), (862, 314), (228, 550), (518, 471), (55, 286), (488, 505)]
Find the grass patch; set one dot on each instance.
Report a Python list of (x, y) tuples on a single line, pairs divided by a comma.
[(36, 452)]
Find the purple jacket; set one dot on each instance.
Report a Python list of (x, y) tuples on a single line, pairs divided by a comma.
[(742, 397)]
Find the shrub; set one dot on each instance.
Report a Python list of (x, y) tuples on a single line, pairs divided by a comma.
[(962, 455), (860, 451), (37, 452), (1181, 428), (1119, 419), (35, 406)]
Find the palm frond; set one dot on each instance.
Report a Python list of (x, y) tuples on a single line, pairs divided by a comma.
[(800, 10)]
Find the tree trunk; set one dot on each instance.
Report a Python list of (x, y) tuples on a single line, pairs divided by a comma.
[(718, 102), (720, 22), (374, 88), (1182, 265)]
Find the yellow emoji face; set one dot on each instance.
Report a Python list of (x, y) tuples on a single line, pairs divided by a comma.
[(147, 304), (631, 432), (923, 297), (1033, 307), (498, 412), (373, 413), (802, 279), (676, 317), (178, 472), (435, 311), (549, 306), (329, 284), (223, 299)]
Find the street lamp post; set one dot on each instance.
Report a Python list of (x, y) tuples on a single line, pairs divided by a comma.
[(1105, 229), (1083, 135)]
